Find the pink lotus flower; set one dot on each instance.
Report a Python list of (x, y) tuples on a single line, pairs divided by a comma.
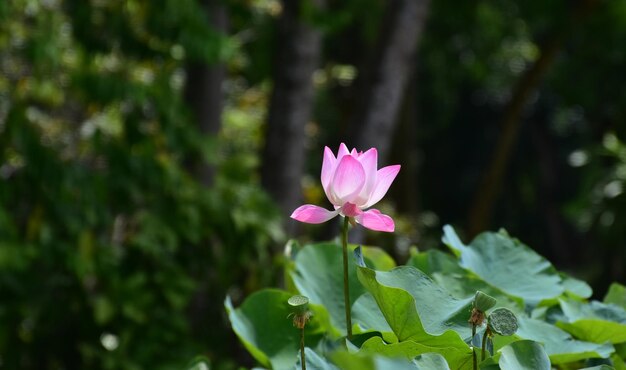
[(352, 183)]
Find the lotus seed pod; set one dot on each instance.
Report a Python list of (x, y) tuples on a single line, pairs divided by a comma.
[(502, 321), (483, 302), (301, 313), (299, 303)]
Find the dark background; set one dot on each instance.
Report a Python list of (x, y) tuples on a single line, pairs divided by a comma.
[(152, 151)]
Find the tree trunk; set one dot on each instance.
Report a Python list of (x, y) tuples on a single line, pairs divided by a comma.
[(563, 245), (489, 189), (290, 108), (405, 150), (204, 95), (204, 90), (386, 79), (388, 75), (480, 213)]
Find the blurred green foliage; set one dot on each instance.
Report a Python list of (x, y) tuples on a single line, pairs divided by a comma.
[(423, 307), (112, 255)]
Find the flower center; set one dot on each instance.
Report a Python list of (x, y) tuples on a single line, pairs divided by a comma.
[(350, 210)]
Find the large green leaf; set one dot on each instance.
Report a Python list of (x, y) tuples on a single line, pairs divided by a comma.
[(438, 310), (417, 309), (576, 287), (524, 355), (315, 361), (595, 321), (318, 274), (433, 260), (559, 345), (445, 270), (348, 361), (431, 361), (370, 361), (616, 295), (490, 363), (378, 258), (263, 326), (368, 317), (409, 349), (619, 362), (507, 264)]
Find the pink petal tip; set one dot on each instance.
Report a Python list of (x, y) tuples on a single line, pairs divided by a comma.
[(313, 214), (374, 220)]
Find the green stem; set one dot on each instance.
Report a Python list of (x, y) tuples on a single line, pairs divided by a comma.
[(474, 361), (302, 359), (482, 349), (346, 286)]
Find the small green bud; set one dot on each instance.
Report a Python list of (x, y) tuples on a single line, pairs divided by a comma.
[(483, 302)]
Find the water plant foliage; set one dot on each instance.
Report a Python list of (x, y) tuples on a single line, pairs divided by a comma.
[(415, 316)]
